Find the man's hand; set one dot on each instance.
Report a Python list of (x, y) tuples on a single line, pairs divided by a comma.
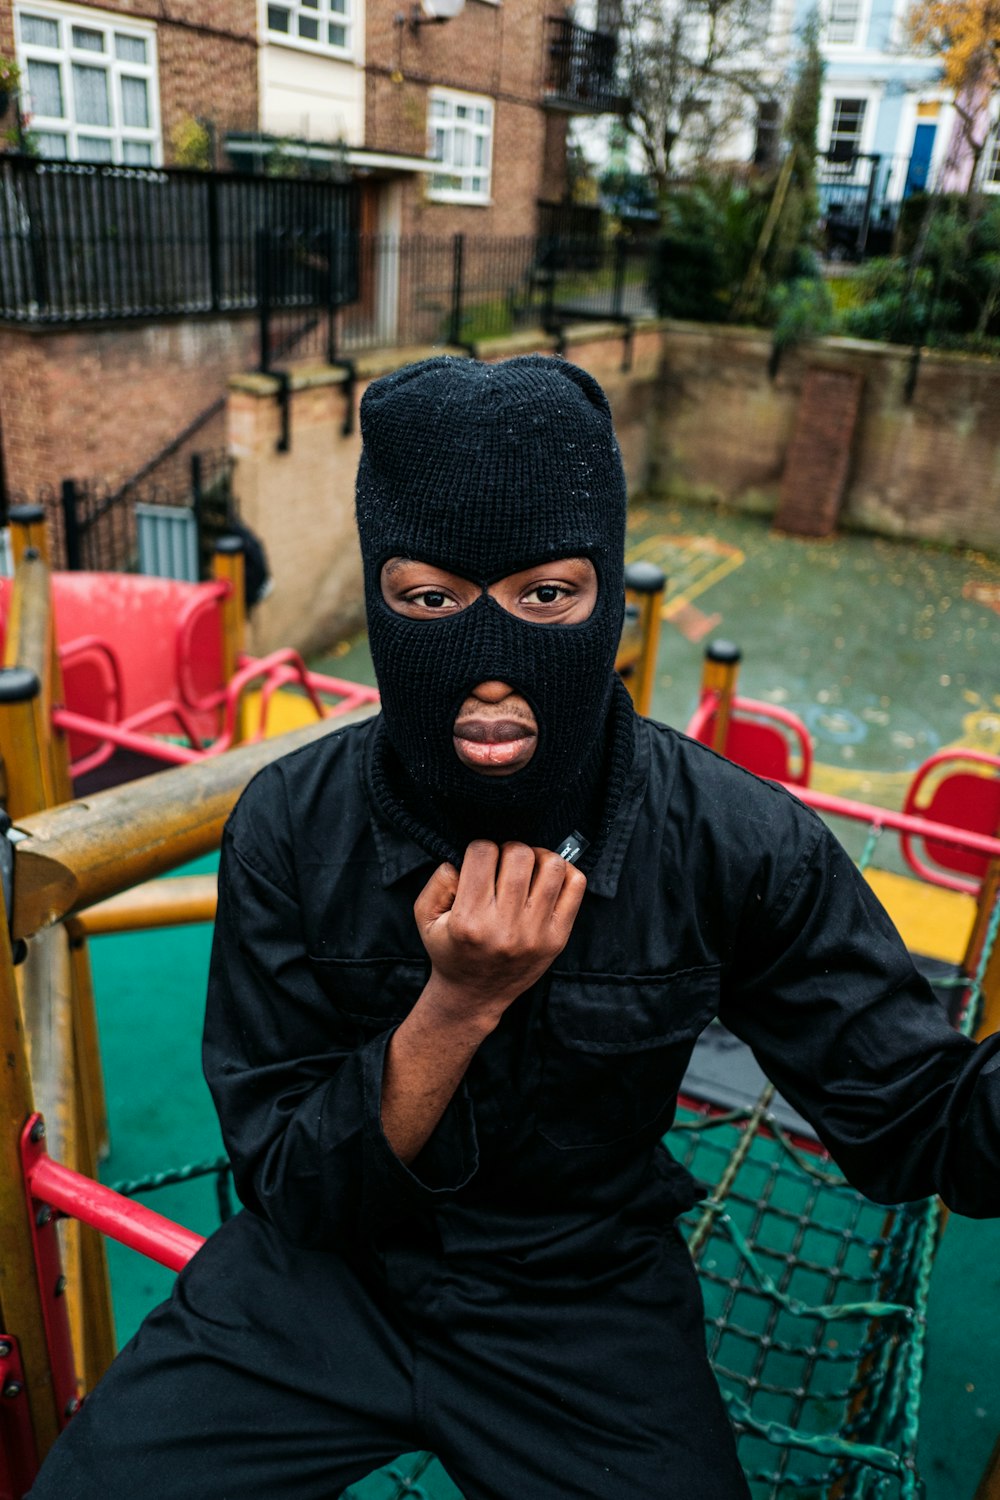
[(494, 929), (490, 931)]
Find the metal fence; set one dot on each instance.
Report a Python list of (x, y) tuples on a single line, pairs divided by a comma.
[(581, 68), (79, 242), (92, 523), (458, 290), (860, 199)]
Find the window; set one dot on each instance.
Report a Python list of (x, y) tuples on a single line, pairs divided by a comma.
[(90, 82), (460, 138), (991, 176), (845, 132), (320, 25), (842, 22), (768, 135)]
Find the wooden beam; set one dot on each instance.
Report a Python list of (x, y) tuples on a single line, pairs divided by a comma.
[(157, 903), (84, 852)]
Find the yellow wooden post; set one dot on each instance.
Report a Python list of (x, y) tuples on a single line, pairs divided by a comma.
[(989, 1020), (228, 567), (28, 531), (90, 1305), (719, 673), (23, 762), (646, 582), (21, 1313), (37, 777)]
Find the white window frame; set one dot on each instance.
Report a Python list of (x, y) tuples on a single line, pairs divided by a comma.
[(828, 111), (117, 133), (453, 100), (990, 182), (859, 38), (325, 14)]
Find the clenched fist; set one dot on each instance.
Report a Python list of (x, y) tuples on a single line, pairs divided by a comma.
[(492, 930)]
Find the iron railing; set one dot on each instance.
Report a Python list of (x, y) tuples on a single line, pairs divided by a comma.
[(80, 243), (581, 69), (92, 522), (459, 290), (860, 197)]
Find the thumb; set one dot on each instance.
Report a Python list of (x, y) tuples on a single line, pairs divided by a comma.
[(437, 896)]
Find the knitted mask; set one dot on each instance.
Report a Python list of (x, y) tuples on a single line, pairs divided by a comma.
[(485, 470)]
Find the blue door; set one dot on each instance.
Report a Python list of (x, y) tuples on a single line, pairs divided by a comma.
[(920, 160)]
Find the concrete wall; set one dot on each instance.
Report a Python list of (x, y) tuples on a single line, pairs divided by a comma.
[(925, 466)]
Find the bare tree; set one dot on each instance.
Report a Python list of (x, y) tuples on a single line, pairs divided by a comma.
[(695, 70)]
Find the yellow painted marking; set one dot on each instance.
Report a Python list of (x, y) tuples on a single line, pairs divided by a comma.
[(931, 921), (286, 711), (695, 551), (980, 731)]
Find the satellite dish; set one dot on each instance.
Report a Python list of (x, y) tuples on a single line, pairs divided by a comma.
[(442, 10)]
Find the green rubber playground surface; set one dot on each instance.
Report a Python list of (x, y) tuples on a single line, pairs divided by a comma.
[(888, 651)]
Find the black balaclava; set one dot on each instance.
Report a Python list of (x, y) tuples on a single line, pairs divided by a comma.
[(485, 470)]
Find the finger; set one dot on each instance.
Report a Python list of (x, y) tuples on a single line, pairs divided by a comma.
[(517, 866), (438, 895), (547, 882), (569, 898), (478, 877)]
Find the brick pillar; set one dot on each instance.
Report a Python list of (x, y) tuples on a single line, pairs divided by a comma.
[(819, 455)]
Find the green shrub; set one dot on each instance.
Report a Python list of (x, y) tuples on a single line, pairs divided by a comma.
[(799, 310)]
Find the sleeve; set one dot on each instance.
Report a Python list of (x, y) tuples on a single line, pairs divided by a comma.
[(298, 1094), (824, 991)]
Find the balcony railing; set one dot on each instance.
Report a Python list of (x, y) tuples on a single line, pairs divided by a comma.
[(581, 75), (84, 243)]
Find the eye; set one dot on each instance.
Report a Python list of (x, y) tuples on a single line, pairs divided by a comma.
[(432, 599), (546, 593)]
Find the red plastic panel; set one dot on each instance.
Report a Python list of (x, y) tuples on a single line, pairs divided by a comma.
[(140, 618), (966, 801)]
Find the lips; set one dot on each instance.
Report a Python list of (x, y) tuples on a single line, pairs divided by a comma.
[(492, 731), (493, 743)]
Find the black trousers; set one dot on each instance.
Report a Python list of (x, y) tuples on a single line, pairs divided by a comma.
[(274, 1373)]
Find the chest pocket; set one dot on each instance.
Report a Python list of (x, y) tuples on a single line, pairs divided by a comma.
[(369, 995), (615, 1051)]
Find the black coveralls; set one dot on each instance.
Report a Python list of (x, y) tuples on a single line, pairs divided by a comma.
[(519, 1301)]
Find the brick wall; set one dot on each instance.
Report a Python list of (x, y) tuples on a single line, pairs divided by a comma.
[(495, 50), (101, 402), (207, 57)]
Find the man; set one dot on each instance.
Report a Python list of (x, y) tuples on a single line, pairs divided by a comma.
[(444, 1057)]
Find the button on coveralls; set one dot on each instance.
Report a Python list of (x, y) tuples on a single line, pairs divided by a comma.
[(519, 1300)]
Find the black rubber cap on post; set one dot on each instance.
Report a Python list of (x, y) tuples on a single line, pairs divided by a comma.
[(18, 685), (229, 545), (644, 578), (26, 515), (724, 652)]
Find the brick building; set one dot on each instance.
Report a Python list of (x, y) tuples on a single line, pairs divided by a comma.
[(471, 93), (121, 81), (445, 127)]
